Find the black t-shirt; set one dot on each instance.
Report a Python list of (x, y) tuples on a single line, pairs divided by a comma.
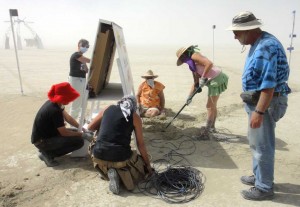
[(76, 66), (113, 141), (47, 120)]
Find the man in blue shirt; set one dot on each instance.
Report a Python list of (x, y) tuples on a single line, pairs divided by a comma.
[(265, 73)]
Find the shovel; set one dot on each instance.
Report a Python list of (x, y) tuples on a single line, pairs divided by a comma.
[(199, 89)]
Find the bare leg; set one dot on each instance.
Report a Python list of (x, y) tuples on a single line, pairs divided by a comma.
[(151, 112), (212, 111)]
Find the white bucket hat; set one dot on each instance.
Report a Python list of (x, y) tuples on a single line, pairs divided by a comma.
[(244, 21)]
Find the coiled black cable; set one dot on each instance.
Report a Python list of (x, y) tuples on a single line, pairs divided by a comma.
[(174, 180), (177, 184)]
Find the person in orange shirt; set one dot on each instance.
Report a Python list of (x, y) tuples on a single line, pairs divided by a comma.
[(150, 96)]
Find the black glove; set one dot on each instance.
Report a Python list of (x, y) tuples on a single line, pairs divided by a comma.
[(199, 89)]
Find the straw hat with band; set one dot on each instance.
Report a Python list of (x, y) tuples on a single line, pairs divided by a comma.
[(149, 74), (62, 93), (190, 50), (244, 21)]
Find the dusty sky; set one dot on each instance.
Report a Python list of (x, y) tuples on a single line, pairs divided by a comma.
[(171, 22)]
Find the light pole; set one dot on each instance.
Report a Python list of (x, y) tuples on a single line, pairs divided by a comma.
[(214, 27), (290, 48), (14, 13)]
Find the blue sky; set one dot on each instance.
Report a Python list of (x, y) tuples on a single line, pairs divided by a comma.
[(170, 22)]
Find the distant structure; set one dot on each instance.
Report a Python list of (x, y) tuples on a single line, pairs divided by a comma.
[(34, 41)]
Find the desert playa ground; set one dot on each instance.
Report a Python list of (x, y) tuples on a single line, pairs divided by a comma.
[(26, 181)]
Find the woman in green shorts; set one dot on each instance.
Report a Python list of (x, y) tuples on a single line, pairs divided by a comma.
[(204, 73)]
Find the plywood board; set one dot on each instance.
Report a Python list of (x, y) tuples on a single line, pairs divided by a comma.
[(103, 57)]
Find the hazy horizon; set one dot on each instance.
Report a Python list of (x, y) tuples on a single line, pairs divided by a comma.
[(159, 22)]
